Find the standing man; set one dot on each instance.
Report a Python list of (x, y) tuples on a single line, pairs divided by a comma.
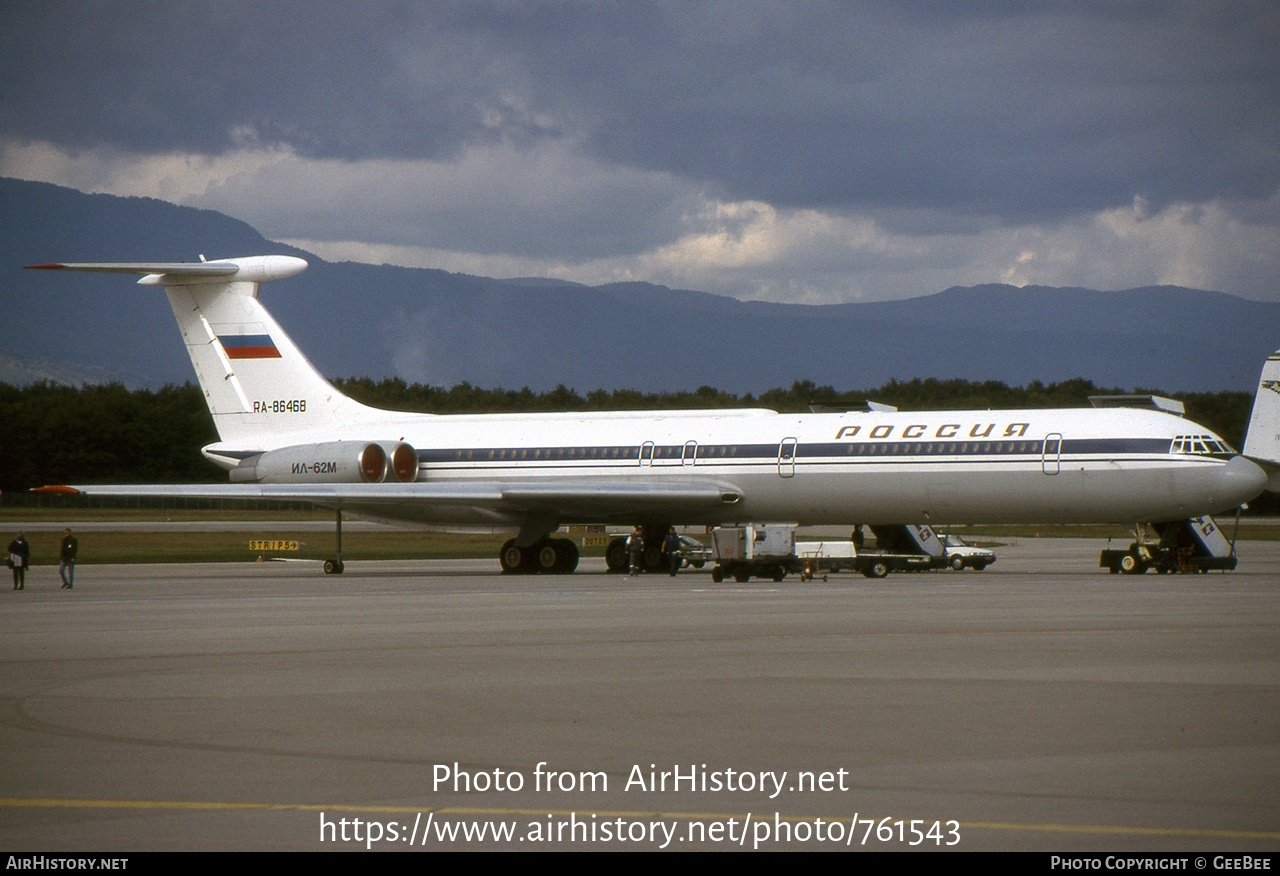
[(671, 545), (67, 559), (19, 559), (635, 550)]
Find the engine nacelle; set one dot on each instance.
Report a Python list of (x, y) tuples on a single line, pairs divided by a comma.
[(334, 462)]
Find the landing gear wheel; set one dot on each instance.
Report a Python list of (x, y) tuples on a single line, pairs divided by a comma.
[(333, 567), (654, 561), (615, 556), (556, 556), (511, 558), (1130, 564), (878, 569), (568, 550), (547, 556)]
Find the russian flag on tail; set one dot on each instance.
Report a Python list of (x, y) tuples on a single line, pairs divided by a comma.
[(249, 347)]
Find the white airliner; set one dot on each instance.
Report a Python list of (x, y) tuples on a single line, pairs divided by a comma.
[(286, 433)]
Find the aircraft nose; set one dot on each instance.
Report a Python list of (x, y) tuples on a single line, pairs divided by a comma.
[(1239, 481)]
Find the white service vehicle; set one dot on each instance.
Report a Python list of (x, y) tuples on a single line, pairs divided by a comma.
[(961, 555), (763, 550)]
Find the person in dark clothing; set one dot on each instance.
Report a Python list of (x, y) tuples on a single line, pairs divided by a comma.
[(67, 559), (671, 546), (635, 550), (19, 558)]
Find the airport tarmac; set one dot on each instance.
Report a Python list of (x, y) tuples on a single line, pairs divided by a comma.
[(1042, 704)]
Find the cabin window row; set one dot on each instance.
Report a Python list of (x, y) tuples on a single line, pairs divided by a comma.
[(932, 448), (758, 452)]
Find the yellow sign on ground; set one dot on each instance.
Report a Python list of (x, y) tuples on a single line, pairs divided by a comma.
[(262, 545)]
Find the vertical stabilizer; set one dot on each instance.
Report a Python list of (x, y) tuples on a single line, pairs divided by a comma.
[(1262, 442), (256, 381)]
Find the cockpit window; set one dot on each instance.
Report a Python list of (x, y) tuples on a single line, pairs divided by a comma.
[(1201, 445)]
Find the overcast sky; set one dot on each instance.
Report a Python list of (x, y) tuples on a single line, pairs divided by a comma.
[(800, 151)]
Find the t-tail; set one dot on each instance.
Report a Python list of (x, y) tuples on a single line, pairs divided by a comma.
[(1262, 444), (259, 386)]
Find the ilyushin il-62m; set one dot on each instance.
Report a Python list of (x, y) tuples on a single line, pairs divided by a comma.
[(287, 433)]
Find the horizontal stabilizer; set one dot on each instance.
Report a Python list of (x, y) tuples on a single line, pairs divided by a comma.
[(250, 269), (177, 269)]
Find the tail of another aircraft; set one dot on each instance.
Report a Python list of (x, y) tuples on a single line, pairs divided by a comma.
[(258, 385), (1262, 443)]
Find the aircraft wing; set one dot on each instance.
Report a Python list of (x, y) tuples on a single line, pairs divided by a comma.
[(512, 501)]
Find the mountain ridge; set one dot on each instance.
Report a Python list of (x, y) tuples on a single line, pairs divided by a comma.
[(432, 326)]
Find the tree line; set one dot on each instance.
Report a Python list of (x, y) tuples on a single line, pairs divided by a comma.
[(55, 434)]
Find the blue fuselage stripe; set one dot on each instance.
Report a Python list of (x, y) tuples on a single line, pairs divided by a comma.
[(756, 454)]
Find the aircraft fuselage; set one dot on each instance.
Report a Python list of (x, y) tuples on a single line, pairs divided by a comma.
[(1078, 465)]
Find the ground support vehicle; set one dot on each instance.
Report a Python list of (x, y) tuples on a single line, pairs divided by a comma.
[(960, 555), (759, 550), (771, 551), (694, 553), (817, 558), (1194, 545)]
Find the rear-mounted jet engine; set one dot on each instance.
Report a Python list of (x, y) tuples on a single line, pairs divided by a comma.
[(336, 462)]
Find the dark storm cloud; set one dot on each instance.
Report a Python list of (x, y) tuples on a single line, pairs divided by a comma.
[(1020, 110), (1043, 111), (351, 80)]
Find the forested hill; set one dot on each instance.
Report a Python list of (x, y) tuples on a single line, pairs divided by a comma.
[(53, 434)]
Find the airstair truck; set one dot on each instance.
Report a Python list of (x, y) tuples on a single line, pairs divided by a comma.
[(906, 548), (1194, 545)]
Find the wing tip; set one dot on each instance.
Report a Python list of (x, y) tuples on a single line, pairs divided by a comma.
[(57, 489), (49, 266)]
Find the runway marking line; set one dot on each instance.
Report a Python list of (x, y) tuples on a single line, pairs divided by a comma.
[(178, 805)]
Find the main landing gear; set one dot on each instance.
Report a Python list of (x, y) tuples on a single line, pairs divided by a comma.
[(335, 566), (556, 556)]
